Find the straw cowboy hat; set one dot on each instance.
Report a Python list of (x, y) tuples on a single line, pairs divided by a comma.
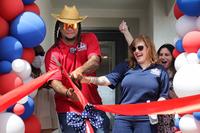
[(69, 15)]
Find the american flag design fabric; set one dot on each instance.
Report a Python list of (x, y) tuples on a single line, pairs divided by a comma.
[(77, 121)]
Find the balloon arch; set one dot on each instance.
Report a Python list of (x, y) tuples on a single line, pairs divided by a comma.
[(21, 30)]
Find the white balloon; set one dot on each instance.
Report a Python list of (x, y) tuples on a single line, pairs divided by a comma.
[(185, 24), (186, 80), (192, 58), (188, 124), (180, 61), (18, 65), (11, 123), (22, 68)]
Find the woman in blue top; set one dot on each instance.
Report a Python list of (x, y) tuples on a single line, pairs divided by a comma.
[(141, 79)]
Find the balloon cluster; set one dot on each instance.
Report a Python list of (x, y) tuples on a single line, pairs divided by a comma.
[(21, 29), (187, 54)]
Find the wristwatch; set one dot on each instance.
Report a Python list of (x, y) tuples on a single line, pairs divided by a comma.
[(67, 93)]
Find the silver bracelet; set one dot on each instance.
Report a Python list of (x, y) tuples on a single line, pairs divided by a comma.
[(92, 80)]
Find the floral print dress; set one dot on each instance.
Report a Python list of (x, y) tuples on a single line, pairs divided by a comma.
[(166, 122)]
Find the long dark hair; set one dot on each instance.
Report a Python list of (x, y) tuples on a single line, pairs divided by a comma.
[(57, 34), (170, 47)]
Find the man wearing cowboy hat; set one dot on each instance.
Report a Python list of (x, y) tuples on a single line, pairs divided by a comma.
[(79, 54)]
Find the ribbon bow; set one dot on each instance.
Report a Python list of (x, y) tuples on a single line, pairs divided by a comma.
[(77, 121)]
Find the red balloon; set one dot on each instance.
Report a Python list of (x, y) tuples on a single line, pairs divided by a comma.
[(32, 8), (16, 94), (4, 26), (9, 9), (177, 11), (9, 82), (32, 125), (175, 53), (191, 42), (28, 54), (18, 109)]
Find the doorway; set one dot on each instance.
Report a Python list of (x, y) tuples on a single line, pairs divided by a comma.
[(114, 49)]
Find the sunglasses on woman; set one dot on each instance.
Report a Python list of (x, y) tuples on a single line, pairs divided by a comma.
[(140, 48), (66, 26)]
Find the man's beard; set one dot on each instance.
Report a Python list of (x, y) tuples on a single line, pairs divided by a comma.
[(70, 39)]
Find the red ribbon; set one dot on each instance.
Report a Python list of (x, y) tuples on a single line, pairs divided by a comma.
[(82, 100), (18, 93), (179, 105), (81, 97), (173, 106), (182, 105)]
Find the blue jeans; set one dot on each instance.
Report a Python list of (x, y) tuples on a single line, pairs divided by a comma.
[(125, 126), (67, 129)]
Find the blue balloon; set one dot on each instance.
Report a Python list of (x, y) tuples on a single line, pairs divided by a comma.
[(29, 108), (5, 67), (198, 54), (10, 49), (196, 115), (189, 7), (27, 2), (179, 46), (29, 29)]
